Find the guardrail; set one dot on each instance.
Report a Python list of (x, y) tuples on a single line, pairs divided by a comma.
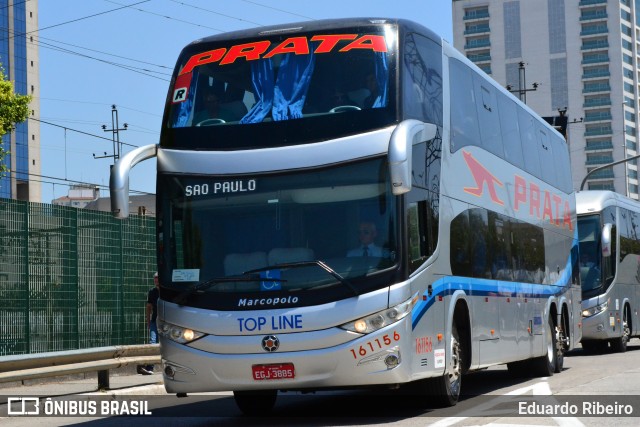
[(59, 363)]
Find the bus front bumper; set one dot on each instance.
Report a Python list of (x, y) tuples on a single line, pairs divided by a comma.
[(602, 326), (189, 370)]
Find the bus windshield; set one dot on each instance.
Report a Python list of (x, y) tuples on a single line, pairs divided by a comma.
[(279, 232), (337, 81), (590, 259)]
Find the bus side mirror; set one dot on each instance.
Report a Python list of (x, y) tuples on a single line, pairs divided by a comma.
[(404, 137), (605, 240), (119, 179)]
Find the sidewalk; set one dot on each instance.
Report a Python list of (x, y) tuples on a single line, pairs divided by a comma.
[(121, 381)]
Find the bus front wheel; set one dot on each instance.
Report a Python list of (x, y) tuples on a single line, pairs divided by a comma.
[(619, 345), (255, 402), (445, 390)]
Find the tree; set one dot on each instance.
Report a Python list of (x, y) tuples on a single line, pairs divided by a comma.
[(14, 108)]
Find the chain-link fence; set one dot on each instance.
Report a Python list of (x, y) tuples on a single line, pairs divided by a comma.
[(72, 278)]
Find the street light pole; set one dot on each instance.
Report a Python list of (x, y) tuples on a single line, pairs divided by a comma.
[(522, 84), (115, 135), (624, 149), (599, 168)]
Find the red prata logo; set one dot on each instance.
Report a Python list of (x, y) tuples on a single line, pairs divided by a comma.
[(480, 176), (542, 203), (298, 45)]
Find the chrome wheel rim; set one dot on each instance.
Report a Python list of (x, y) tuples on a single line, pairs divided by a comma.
[(456, 367)]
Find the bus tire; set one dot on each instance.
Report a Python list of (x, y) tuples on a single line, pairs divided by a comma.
[(255, 402), (561, 343), (619, 345), (444, 391), (545, 366)]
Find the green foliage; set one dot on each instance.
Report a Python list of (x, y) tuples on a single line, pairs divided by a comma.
[(14, 108)]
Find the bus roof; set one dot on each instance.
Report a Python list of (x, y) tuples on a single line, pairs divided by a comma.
[(319, 25), (593, 201)]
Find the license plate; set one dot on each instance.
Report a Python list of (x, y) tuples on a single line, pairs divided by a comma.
[(277, 371)]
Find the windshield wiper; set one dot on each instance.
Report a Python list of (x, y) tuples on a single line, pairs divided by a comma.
[(318, 263), (203, 286)]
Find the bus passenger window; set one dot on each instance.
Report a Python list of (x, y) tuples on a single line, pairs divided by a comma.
[(460, 236), (464, 117)]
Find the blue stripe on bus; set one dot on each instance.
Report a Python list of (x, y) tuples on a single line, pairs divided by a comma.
[(489, 287)]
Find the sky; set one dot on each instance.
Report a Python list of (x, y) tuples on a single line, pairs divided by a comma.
[(98, 53)]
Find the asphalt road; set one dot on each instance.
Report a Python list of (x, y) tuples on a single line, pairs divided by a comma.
[(589, 385)]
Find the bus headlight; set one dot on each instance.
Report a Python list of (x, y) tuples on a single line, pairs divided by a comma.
[(178, 333), (594, 310), (383, 318)]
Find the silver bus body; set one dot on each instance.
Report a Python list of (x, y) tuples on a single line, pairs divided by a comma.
[(524, 308)]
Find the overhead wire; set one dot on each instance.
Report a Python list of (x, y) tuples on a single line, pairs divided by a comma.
[(81, 132), (215, 13), (138, 70), (144, 71), (169, 17), (74, 182), (74, 20), (168, 68), (279, 10), (124, 66)]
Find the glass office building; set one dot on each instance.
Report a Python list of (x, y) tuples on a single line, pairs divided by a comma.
[(19, 61)]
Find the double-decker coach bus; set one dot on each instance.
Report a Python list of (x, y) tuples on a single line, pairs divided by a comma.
[(609, 232), (352, 203)]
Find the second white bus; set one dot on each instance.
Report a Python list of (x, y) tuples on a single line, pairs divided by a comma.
[(609, 228)]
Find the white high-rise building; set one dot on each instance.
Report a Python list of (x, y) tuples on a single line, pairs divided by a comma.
[(582, 57)]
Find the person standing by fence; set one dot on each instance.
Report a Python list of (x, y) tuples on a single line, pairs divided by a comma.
[(151, 313)]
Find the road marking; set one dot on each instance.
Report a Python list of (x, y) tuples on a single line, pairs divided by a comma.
[(538, 389)]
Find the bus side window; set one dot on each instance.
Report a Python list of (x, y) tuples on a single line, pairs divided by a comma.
[(488, 117), (422, 85), (464, 117), (510, 131), (527, 127), (547, 164), (459, 241), (561, 158), (479, 226), (421, 220)]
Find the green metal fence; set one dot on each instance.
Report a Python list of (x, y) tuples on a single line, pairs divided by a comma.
[(72, 278)]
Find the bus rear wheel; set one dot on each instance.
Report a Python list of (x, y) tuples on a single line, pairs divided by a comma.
[(545, 366), (255, 402), (562, 342)]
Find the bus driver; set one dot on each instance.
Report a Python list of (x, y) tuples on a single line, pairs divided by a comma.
[(367, 233)]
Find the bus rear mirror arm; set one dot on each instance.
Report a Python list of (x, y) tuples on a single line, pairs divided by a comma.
[(119, 180), (404, 137)]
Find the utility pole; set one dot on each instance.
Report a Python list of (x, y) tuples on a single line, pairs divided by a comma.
[(522, 84), (115, 131)]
